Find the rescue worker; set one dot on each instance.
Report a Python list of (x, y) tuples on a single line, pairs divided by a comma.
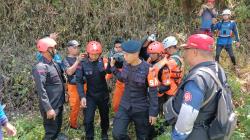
[(57, 57), (50, 88), (9, 128), (185, 111), (226, 28), (207, 13), (146, 41), (156, 54), (166, 59), (70, 63), (139, 103), (117, 54), (174, 62), (93, 70)]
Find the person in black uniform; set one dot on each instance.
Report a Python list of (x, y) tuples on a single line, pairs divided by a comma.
[(50, 88), (93, 71), (139, 103)]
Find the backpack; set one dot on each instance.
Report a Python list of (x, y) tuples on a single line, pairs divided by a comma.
[(225, 121), (225, 30)]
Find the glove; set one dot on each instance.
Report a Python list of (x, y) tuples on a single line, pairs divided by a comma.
[(152, 37)]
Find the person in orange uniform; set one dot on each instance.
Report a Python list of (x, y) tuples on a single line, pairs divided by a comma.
[(71, 62), (117, 54), (167, 70), (174, 62), (161, 72)]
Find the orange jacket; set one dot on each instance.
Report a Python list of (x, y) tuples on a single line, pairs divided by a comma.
[(173, 72)]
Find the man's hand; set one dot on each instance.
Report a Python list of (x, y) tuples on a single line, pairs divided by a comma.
[(54, 35), (83, 55), (237, 44), (204, 6), (51, 114), (152, 120), (83, 102), (112, 62), (214, 20), (10, 129)]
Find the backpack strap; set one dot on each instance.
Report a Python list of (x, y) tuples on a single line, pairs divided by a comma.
[(217, 81)]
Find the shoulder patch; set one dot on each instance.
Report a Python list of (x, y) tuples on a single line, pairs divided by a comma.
[(187, 96)]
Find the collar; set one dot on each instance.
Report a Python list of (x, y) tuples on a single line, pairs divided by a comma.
[(203, 64), (45, 60)]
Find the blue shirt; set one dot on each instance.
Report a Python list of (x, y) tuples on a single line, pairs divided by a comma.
[(226, 40), (206, 19), (3, 120)]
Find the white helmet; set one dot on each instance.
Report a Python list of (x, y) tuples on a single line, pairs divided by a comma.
[(169, 41), (226, 12)]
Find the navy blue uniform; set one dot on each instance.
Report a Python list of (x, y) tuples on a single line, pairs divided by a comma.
[(68, 62), (138, 102), (97, 94), (50, 88)]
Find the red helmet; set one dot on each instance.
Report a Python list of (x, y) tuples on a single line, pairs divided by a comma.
[(45, 43), (94, 47), (155, 47), (211, 1)]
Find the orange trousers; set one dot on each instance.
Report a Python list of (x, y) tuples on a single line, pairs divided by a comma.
[(118, 93), (74, 102)]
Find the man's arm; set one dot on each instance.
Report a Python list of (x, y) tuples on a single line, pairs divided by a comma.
[(192, 101), (70, 70), (215, 26), (3, 117), (235, 31), (40, 73), (80, 81)]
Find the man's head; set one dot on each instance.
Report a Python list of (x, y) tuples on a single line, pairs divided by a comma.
[(170, 45), (118, 45), (226, 14), (47, 47), (94, 50), (73, 48), (210, 3), (198, 49), (155, 50), (131, 51)]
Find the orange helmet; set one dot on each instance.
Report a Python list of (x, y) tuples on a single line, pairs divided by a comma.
[(155, 47), (45, 43), (94, 47)]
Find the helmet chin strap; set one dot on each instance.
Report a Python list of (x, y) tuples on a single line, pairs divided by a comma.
[(52, 54)]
